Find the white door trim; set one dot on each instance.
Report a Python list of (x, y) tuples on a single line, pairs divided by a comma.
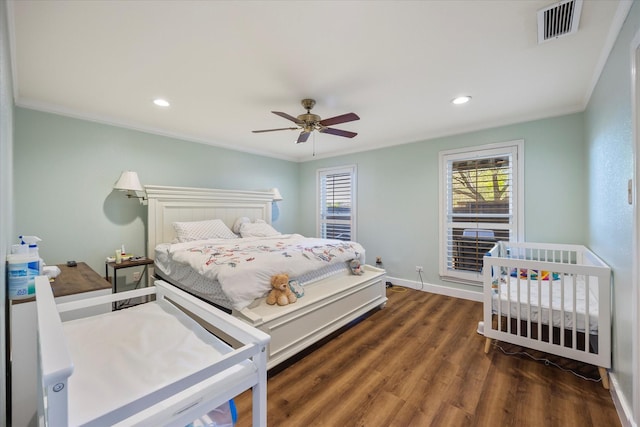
[(635, 117)]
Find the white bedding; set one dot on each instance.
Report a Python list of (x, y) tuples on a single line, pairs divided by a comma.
[(244, 267), (513, 289), (187, 279)]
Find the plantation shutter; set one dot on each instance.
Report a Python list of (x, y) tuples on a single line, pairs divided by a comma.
[(479, 208), (337, 203)]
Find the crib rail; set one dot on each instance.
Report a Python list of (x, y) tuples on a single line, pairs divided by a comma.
[(549, 297)]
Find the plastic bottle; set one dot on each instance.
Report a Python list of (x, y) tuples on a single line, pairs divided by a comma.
[(32, 241), (23, 265)]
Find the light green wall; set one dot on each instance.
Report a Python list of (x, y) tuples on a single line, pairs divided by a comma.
[(65, 169), (609, 135), (398, 193), (576, 169)]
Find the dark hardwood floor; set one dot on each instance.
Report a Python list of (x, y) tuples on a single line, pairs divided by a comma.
[(420, 362)]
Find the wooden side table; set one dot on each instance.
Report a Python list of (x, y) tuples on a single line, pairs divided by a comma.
[(126, 264), (141, 262), (73, 281)]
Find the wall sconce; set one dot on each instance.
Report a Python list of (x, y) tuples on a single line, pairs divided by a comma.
[(276, 195), (130, 183)]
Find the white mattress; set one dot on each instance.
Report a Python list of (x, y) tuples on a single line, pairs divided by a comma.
[(186, 278), (514, 289), (123, 355)]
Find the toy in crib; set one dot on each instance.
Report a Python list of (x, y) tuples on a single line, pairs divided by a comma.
[(495, 285), (544, 275)]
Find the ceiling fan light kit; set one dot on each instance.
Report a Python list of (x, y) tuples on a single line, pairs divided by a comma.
[(309, 122)]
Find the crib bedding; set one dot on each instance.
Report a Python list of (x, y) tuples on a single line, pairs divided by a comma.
[(136, 360), (536, 297), (243, 267)]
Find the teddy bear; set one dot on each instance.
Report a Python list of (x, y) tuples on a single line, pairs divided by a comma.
[(281, 293), (356, 267)]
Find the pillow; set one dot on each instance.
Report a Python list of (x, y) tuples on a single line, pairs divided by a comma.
[(202, 230), (236, 225), (257, 229)]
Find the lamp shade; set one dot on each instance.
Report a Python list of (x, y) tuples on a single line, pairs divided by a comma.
[(128, 181), (276, 195)]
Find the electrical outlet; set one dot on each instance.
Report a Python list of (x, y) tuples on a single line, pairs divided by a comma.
[(137, 275), (419, 268)]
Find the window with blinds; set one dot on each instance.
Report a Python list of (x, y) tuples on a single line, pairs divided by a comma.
[(336, 196), (479, 204)]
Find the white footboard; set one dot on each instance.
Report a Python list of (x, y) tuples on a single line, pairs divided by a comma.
[(549, 297), (327, 305), (180, 398)]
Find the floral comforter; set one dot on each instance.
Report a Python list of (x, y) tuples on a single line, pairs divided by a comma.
[(244, 267)]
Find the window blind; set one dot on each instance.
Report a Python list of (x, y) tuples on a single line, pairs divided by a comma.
[(337, 207), (479, 208)]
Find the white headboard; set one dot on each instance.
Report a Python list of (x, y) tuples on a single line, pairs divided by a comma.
[(170, 204)]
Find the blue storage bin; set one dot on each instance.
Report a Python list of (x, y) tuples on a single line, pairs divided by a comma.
[(224, 415)]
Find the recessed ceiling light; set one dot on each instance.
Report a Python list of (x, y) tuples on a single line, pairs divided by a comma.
[(161, 102), (461, 100)]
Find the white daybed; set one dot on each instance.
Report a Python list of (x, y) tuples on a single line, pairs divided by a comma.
[(151, 364), (330, 301), (549, 297)]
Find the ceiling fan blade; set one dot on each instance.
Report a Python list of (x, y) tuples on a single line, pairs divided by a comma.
[(338, 132), (303, 137), (349, 117), (271, 130), (288, 117)]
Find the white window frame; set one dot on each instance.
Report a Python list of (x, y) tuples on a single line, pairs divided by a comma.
[(320, 174), (516, 150)]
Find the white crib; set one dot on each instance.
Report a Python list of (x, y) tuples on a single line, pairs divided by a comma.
[(152, 364), (549, 297)]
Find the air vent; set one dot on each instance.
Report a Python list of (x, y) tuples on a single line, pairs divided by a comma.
[(558, 20)]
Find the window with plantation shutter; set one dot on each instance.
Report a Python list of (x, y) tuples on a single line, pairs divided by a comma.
[(480, 204), (337, 207)]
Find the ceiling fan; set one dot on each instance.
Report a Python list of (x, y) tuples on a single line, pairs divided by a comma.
[(309, 122)]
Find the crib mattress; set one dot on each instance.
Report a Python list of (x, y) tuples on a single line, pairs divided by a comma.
[(185, 277), (124, 355), (556, 294)]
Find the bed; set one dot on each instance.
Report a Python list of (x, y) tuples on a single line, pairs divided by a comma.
[(157, 363), (333, 296), (549, 297)]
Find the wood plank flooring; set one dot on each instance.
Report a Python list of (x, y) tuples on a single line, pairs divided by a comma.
[(420, 362)]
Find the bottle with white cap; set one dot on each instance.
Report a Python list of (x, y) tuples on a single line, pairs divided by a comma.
[(23, 265)]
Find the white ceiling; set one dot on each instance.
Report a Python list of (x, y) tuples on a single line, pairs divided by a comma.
[(225, 65)]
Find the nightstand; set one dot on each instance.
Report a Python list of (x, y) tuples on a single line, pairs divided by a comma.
[(72, 284), (126, 264), (142, 262)]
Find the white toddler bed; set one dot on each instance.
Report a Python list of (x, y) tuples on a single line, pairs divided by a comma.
[(549, 297), (152, 364), (333, 297)]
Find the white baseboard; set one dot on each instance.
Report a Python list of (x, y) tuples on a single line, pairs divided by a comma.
[(438, 289), (625, 411)]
